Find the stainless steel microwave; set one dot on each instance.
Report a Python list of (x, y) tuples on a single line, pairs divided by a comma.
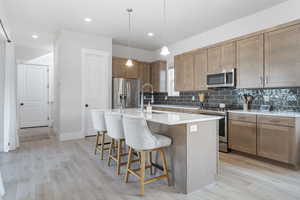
[(224, 79)]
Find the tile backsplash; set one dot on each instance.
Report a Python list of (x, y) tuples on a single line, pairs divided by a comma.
[(281, 99)]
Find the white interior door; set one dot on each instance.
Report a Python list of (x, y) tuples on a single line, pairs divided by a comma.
[(95, 85), (33, 95)]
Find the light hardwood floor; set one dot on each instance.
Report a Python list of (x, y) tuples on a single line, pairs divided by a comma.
[(48, 169)]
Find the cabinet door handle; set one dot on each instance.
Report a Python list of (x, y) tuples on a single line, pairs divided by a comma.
[(266, 79), (261, 80)]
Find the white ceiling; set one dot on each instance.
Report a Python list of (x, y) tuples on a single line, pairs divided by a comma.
[(185, 18)]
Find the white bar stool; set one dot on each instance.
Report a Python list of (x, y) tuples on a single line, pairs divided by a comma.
[(99, 125), (140, 139), (115, 131)]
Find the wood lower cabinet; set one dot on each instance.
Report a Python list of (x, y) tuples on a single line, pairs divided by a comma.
[(242, 136), (272, 137), (274, 142), (221, 58), (250, 62), (282, 60)]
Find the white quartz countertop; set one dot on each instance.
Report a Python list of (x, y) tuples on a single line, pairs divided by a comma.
[(176, 106), (270, 113), (168, 118)]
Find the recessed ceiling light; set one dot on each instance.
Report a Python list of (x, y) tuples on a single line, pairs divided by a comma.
[(87, 19), (150, 34), (35, 36)]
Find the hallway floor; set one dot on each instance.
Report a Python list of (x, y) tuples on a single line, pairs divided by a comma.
[(48, 169)]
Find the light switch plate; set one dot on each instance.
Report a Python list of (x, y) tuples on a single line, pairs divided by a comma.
[(194, 128)]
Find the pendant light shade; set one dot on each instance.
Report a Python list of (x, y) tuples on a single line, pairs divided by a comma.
[(129, 63), (164, 51)]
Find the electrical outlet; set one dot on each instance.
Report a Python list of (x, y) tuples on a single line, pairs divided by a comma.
[(194, 128), (266, 98)]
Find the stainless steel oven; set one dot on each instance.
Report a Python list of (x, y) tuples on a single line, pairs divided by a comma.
[(224, 79)]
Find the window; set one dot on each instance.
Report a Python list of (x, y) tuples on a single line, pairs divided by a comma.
[(171, 82)]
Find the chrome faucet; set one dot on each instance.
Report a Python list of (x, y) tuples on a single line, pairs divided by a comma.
[(142, 95)]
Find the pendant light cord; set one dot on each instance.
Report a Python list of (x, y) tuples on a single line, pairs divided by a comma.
[(165, 19), (129, 10)]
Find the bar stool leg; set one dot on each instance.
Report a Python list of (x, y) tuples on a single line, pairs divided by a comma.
[(119, 157), (142, 178), (163, 157), (128, 164), (102, 144), (150, 162), (97, 142), (112, 145)]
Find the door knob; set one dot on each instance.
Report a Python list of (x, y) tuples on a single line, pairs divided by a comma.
[(21, 104), (86, 105)]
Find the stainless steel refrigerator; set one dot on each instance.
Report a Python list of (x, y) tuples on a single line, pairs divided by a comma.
[(126, 93)]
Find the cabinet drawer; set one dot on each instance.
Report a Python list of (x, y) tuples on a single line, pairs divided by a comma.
[(274, 120), (242, 117)]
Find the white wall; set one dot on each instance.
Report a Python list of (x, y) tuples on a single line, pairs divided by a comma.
[(279, 14), (25, 54), (134, 53), (2, 78), (7, 88), (67, 71)]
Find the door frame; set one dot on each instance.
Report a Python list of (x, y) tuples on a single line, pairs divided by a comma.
[(47, 96), (108, 76)]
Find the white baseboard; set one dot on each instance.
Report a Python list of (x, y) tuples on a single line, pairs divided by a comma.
[(70, 136)]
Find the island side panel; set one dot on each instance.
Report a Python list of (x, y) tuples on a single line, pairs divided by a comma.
[(176, 153), (202, 154)]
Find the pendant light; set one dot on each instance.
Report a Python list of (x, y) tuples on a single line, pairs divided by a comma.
[(129, 62), (164, 50)]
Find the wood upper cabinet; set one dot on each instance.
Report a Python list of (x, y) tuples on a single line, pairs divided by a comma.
[(188, 71), (228, 56), (120, 70), (132, 72), (221, 58), (144, 74), (282, 57), (250, 62), (242, 136), (214, 60), (118, 67), (179, 71), (200, 69), (159, 76)]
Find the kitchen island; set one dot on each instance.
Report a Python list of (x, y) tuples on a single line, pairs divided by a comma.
[(193, 155)]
